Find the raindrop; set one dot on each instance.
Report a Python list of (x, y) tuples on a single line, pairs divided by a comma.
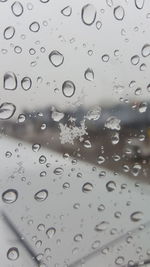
[(111, 186), (13, 254), (10, 196), (87, 187), (67, 11), (68, 88), (113, 123), (98, 25), (41, 195), (9, 32), (87, 144), (119, 13), (8, 154), (26, 83), (17, 49), (96, 244), (21, 118), (7, 110), (36, 147), (41, 227), (105, 58), (115, 138), (50, 232), (135, 60), (143, 67), (100, 160), (119, 260), (58, 171), (136, 216), (101, 207), (10, 81), (88, 14), (34, 26), (89, 75), (139, 3), (78, 237), (94, 114), (42, 159), (142, 107), (56, 115), (56, 58), (145, 50), (17, 8), (136, 169), (101, 226), (109, 3), (66, 185), (138, 91)]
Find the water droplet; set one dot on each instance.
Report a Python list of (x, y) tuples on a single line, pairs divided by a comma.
[(36, 147), (87, 187), (58, 171), (119, 260), (67, 11), (56, 115), (100, 160), (42, 159), (66, 185), (26, 83), (138, 91), (145, 50), (10, 196), (10, 81), (136, 216), (101, 207), (119, 13), (88, 14), (21, 118), (143, 67), (94, 114), (136, 169), (41, 195), (17, 8), (56, 58), (113, 123), (13, 254), (105, 58), (139, 3), (135, 60), (68, 88), (109, 3), (148, 87), (44, 1), (89, 75), (8, 154), (87, 144), (98, 25), (96, 244), (34, 26), (101, 226), (7, 110), (78, 238), (17, 49), (50, 232), (41, 227), (111, 186), (9, 32), (142, 107)]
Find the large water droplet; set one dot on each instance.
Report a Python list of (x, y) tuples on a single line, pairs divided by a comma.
[(9, 32), (145, 50), (135, 60), (34, 26), (10, 196), (87, 187), (111, 186), (58, 171), (26, 83), (136, 216), (101, 226), (67, 11), (10, 81), (13, 254), (89, 75), (56, 58), (119, 13), (139, 3), (94, 114), (88, 14), (41, 195), (50, 232), (68, 88), (7, 110), (17, 8)]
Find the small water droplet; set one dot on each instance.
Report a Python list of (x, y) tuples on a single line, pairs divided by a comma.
[(66, 185), (101, 207), (96, 244), (115, 138), (50, 232), (10, 81), (67, 11), (143, 67), (56, 58), (139, 3), (119, 260), (36, 147), (89, 75), (17, 8), (10, 196), (41, 195), (88, 14), (13, 254), (109, 3), (21, 118), (34, 26), (9, 32), (56, 115), (58, 171), (138, 91), (7, 110), (42, 159), (41, 227), (68, 88), (111, 186), (105, 58), (135, 60), (26, 83), (78, 238), (98, 25), (17, 49), (87, 187), (8, 154), (136, 216), (100, 160), (145, 50), (113, 123), (119, 13), (101, 226), (87, 144), (142, 107)]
